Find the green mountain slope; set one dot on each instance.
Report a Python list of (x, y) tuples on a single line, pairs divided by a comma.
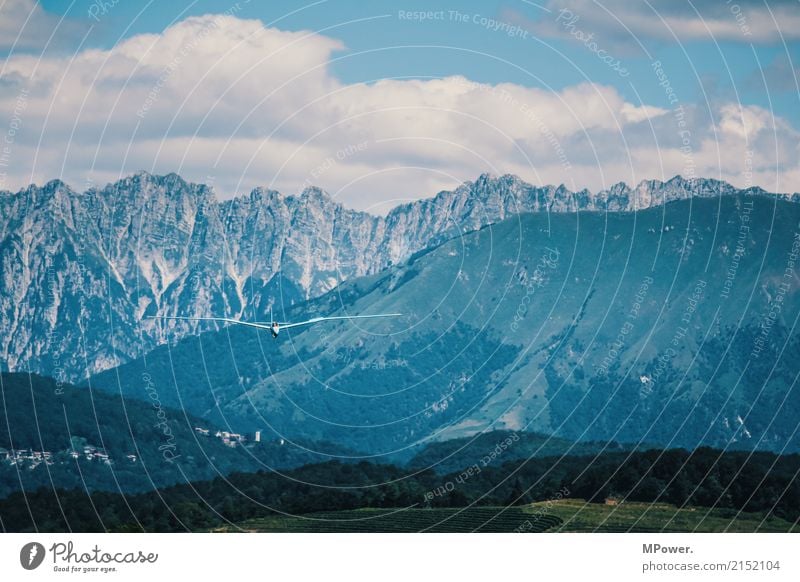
[(500, 446), (673, 326), (57, 436)]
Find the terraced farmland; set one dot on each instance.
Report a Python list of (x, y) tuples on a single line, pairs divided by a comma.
[(566, 515), (471, 519), (575, 515)]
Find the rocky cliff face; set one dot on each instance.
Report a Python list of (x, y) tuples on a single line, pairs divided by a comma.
[(80, 271)]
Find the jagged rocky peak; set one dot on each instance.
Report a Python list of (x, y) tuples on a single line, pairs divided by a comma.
[(157, 244), (260, 194), (53, 191), (315, 193)]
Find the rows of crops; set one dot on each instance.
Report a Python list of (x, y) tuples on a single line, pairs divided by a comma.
[(578, 516), (440, 520), (567, 515)]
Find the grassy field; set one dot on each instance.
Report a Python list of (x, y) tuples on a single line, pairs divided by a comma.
[(481, 519), (576, 515), (567, 515)]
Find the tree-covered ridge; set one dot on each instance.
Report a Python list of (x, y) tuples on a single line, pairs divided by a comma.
[(737, 481), (101, 441)]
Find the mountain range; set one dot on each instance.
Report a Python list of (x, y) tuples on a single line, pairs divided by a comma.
[(79, 271), (673, 326)]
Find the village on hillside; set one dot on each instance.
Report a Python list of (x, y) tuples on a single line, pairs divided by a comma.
[(30, 459)]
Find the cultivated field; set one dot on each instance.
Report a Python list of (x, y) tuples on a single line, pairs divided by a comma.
[(567, 515)]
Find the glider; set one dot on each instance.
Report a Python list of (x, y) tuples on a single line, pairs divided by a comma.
[(274, 327)]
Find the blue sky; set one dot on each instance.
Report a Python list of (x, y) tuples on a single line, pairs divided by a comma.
[(705, 66), (716, 56)]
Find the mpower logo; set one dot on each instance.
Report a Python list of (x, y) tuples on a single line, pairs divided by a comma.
[(31, 555)]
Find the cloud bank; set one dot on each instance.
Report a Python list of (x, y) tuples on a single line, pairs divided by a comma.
[(233, 103), (621, 21)]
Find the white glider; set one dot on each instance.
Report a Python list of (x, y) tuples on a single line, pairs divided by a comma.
[(274, 327)]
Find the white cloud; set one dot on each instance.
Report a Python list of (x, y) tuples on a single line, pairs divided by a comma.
[(622, 21), (224, 100), (24, 25), (744, 122), (634, 114)]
